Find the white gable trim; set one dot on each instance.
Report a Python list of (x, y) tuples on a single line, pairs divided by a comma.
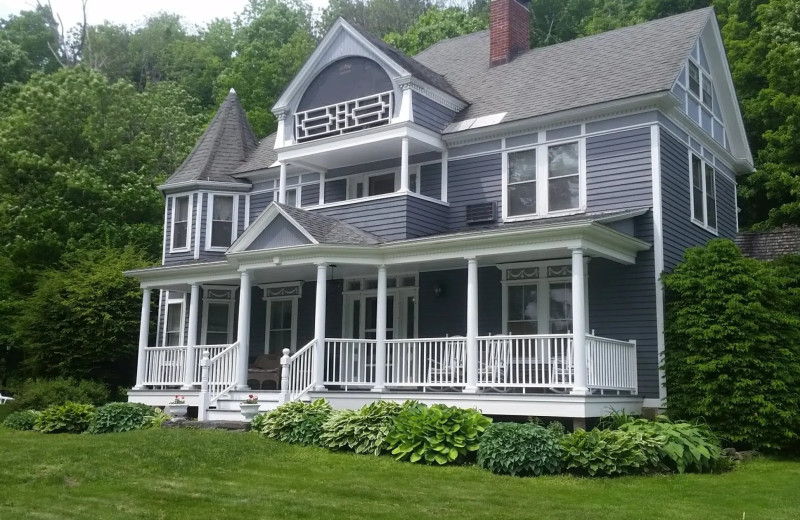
[(261, 223)]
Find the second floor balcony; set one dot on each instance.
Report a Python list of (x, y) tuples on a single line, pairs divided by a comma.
[(341, 118)]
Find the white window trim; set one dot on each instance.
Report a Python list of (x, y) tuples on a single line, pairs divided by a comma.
[(294, 298), (703, 223), (543, 288), (683, 81), (542, 179), (231, 308), (188, 246), (182, 302), (209, 219)]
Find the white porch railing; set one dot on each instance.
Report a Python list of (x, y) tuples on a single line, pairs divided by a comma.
[(222, 372), (165, 366), (349, 362), (426, 362), (538, 361), (212, 350), (611, 364), (344, 117), (301, 372)]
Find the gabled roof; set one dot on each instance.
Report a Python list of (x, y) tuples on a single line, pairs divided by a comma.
[(625, 63), (263, 157), (769, 245), (223, 147), (317, 228)]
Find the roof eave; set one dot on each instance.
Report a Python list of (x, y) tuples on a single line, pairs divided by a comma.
[(214, 185)]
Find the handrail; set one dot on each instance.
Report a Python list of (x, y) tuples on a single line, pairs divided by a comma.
[(165, 366), (301, 367), (222, 372)]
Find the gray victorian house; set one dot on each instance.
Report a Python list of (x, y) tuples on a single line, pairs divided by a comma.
[(482, 224)]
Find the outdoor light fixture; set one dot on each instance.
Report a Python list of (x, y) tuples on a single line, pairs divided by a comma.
[(438, 290)]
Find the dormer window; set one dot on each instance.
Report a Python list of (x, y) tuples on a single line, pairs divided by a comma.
[(180, 223), (222, 228)]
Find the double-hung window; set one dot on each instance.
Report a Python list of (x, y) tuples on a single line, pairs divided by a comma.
[(180, 223), (704, 193), (700, 85), (174, 322), (537, 299), (221, 221), (543, 180)]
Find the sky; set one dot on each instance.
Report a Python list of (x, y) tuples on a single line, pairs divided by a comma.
[(127, 12)]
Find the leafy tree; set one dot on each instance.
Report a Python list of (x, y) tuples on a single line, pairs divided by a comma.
[(733, 346), (83, 321), (379, 17), (433, 26), (14, 63), (35, 32)]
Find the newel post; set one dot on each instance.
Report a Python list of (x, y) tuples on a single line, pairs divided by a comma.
[(202, 407), (285, 360)]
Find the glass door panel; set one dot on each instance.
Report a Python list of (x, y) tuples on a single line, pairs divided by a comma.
[(217, 326), (280, 326)]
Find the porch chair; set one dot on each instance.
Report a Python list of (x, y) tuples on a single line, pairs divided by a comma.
[(561, 369), (448, 369), (266, 372), (4, 399), (492, 368)]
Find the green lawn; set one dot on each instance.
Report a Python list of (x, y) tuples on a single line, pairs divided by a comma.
[(193, 474)]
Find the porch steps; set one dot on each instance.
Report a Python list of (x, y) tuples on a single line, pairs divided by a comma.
[(227, 407)]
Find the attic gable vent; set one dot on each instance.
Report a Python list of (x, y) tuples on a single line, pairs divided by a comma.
[(480, 213)]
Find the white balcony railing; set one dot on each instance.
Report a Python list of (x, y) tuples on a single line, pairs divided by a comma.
[(165, 366), (350, 362), (611, 364), (344, 117)]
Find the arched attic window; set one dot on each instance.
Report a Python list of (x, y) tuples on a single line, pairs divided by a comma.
[(348, 95)]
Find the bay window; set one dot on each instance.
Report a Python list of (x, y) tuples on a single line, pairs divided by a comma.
[(543, 180), (180, 223), (222, 225)]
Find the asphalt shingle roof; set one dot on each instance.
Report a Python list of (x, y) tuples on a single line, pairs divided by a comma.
[(264, 155), (769, 245), (328, 230), (632, 61), (223, 147)]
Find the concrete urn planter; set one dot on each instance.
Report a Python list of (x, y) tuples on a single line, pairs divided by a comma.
[(177, 411), (249, 410)]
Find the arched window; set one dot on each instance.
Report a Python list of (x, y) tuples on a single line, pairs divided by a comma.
[(343, 80)]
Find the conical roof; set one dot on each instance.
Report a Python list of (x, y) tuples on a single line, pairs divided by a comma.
[(223, 147)]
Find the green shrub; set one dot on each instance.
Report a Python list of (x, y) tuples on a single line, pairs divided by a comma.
[(439, 433), (257, 424), (520, 449), (682, 446), (733, 345), (156, 419), (297, 422), (362, 431), (38, 394), (25, 420), (609, 453), (121, 417), (66, 418)]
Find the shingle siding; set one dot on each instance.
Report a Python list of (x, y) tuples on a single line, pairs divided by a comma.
[(258, 203), (425, 217), (473, 181), (618, 170), (680, 233), (430, 114), (622, 305), (431, 181)]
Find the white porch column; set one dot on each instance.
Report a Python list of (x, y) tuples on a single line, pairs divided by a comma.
[(191, 341), (404, 165), (445, 157), (579, 323), (144, 333), (380, 332), (282, 184), (243, 332), (319, 327), (472, 326)]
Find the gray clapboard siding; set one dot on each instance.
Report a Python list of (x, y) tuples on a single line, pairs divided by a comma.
[(472, 181), (392, 218), (680, 233), (430, 114), (622, 305), (309, 195), (431, 180), (618, 170), (258, 203), (240, 201), (182, 257), (447, 314)]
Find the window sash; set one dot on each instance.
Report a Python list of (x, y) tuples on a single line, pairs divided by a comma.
[(545, 179), (703, 193), (180, 224), (694, 79), (173, 324), (222, 220)]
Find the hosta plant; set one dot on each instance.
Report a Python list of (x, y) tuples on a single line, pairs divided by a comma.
[(21, 420), (437, 434), (362, 431), (67, 418), (520, 449), (121, 417), (610, 453), (297, 422)]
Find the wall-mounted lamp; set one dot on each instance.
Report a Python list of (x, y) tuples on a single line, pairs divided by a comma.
[(438, 290)]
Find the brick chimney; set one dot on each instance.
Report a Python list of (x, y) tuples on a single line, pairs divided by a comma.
[(509, 31)]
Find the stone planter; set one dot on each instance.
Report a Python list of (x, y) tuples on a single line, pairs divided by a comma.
[(177, 411), (249, 410)]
